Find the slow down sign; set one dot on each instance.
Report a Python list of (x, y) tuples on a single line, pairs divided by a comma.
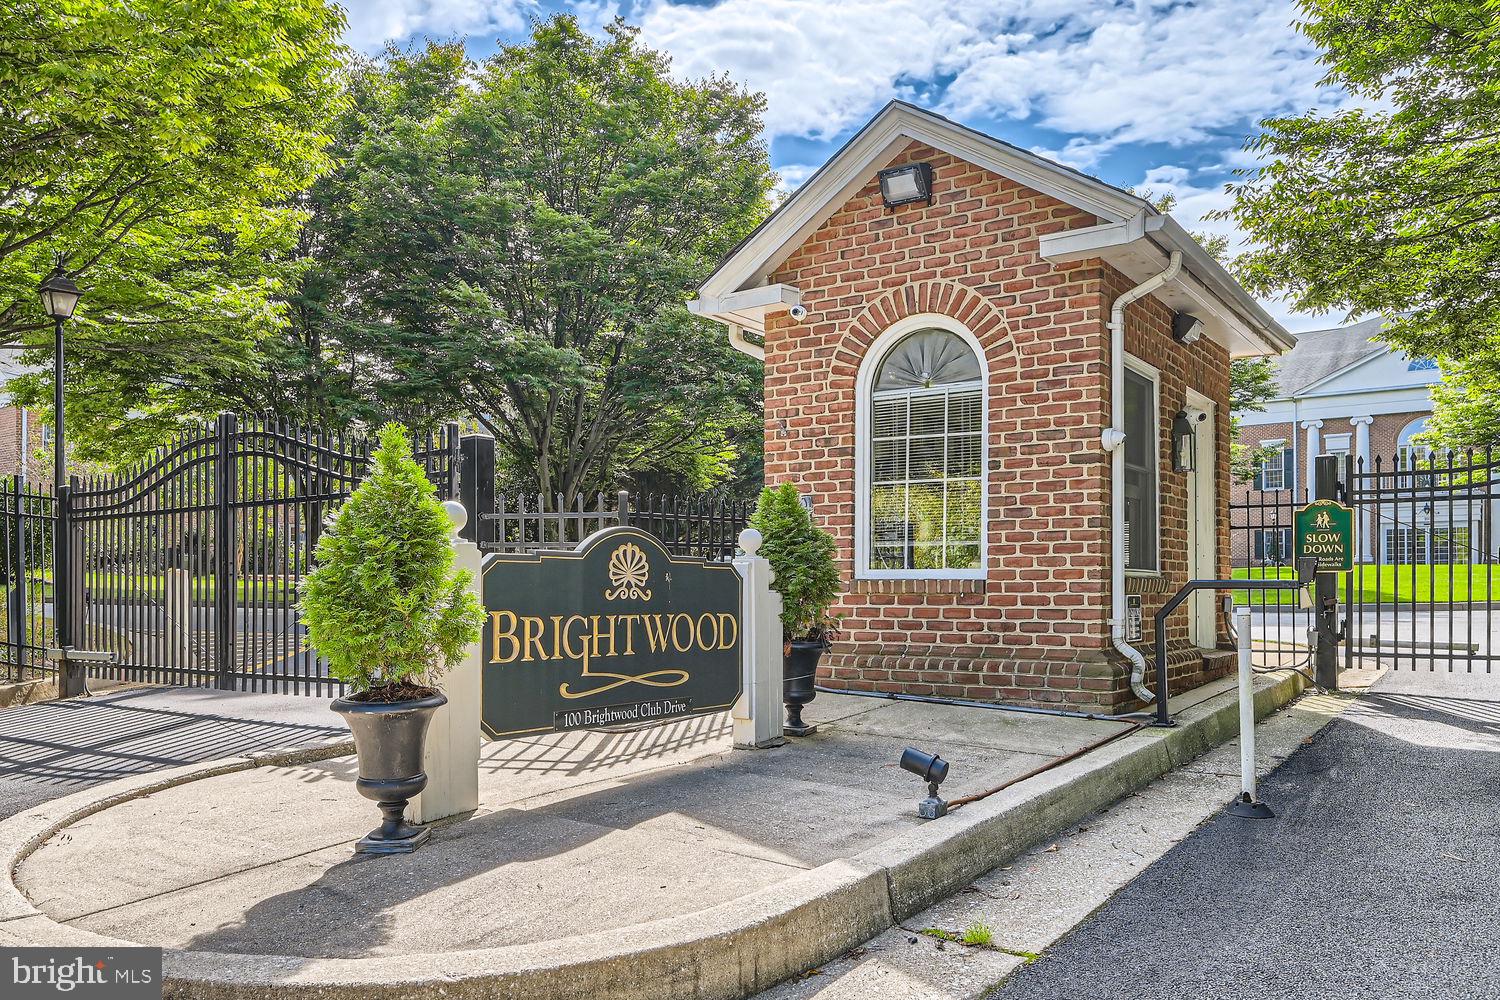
[(1324, 531)]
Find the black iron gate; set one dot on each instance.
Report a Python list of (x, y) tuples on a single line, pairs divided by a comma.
[(189, 562), (1422, 595), (185, 568), (1260, 537)]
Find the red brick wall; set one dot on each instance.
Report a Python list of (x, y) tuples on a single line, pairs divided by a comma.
[(1034, 630)]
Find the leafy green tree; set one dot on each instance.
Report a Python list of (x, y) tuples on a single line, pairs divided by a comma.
[(523, 252), (153, 145), (1392, 204), (802, 564), (384, 604), (1252, 381), (1466, 407)]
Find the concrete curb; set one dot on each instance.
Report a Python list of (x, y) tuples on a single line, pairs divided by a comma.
[(18, 693), (726, 952)]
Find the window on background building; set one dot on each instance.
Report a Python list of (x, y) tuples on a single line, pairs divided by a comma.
[(1450, 545), (1421, 365), (1142, 470), (1272, 546), (1276, 470), (927, 456), (1405, 545), (1412, 456), (1342, 454)]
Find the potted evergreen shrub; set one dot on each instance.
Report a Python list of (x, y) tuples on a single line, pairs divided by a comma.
[(386, 609), (806, 577)]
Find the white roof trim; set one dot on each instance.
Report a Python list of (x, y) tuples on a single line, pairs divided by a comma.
[(1137, 233), (875, 146)]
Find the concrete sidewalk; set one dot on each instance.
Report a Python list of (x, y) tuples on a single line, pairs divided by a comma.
[(650, 863), (51, 749)]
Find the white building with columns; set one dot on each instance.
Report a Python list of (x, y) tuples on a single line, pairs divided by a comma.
[(1341, 393)]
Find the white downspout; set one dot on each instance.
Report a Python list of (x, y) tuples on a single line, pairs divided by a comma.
[(739, 343), (1113, 440)]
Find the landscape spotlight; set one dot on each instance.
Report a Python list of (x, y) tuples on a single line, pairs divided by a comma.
[(932, 769), (904, 185)]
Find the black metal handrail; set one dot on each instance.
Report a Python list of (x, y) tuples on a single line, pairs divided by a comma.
[(1306, 571)]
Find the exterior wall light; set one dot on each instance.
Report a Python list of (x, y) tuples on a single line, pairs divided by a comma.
[(1184, 442), (1186, 329), (904, 185)]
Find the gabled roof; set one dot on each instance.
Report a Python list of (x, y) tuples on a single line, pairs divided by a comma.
[(1134, 236), (1321, 354)]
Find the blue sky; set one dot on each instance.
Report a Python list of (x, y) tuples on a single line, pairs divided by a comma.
[(1156, 95)]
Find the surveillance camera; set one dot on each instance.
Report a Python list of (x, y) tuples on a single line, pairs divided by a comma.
[(799, 313)]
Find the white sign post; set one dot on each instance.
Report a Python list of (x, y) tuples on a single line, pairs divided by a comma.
[(451, 759), (758, 714)]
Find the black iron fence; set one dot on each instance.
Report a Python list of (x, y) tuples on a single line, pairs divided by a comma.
[(1260, 537), (706, 527), (185, 568), (1423, 593), (27, 522)]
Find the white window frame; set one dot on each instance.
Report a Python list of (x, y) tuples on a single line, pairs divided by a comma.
[(1153, 373), (864, 388), (1279, 458)]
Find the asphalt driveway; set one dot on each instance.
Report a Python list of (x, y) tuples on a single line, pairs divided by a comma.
[(55, 748), (1379, 877)]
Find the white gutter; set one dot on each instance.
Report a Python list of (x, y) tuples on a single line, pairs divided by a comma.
[(739, 343), (1113, 440)]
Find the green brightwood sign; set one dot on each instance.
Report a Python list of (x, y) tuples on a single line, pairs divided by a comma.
[(1324, 531)]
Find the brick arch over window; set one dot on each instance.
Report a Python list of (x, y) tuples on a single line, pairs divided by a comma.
[(945, 298)]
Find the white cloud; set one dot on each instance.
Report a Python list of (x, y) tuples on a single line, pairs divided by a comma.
[(372, 22), (1112, 72)]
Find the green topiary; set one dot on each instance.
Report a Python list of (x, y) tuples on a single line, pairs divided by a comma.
[(384, 605), (801, 557)]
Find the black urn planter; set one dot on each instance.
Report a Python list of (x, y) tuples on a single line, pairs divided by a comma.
[(799, 668), (389, 738)]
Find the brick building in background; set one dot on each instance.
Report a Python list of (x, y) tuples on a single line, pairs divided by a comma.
[(1343, 393), (24, 438), (935, 310)]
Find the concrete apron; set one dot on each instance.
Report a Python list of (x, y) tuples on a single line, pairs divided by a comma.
[(882, 867)]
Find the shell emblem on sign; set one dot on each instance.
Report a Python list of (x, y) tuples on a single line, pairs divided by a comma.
[(628, 573)]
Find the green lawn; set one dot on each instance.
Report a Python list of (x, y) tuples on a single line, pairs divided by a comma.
[(1460, 582)]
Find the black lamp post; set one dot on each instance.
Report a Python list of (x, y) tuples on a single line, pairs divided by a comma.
[(59, 298)]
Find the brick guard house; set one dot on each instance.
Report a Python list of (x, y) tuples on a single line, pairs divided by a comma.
[(935, 312)]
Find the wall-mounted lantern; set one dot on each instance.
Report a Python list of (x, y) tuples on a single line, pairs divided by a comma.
[(1184, 443), (904, 185)]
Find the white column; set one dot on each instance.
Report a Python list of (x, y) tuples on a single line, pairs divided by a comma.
[(1363, 463), (758, 715), (451, 757), (1314, 449)]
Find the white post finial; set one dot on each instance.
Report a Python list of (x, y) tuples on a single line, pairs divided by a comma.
[(749, 541), (457, 514)]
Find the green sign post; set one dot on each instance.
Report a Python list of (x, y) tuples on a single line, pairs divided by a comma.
[(1324, 530), (616, 632)]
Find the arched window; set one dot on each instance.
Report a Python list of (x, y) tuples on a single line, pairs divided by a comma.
[(1409, 454), (922, 454)]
